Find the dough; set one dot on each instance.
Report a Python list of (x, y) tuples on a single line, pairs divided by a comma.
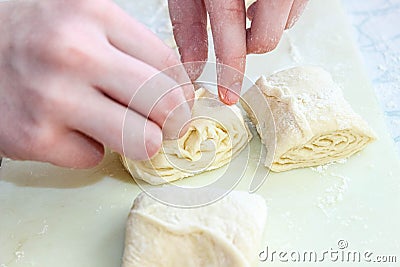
[(225, 233), (216, 135), (314, 124)]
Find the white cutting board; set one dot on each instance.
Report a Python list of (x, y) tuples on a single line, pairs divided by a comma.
[(56, 217)]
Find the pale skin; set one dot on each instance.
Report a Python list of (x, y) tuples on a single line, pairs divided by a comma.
[(69, 70), (232, 41)]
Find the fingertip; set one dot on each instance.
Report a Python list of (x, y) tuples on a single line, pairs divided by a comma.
[(261, 45), (153, 141), (94, 157), (195, 69), (228, 96), (172, 113), (175, 125), (230, 82), (251, 11), (291, 22), (297, 9), (141, 140), (267, 26)]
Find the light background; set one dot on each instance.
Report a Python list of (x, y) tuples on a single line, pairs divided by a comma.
[(376, 27)]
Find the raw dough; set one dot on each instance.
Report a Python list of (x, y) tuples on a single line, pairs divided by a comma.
[(225, 233), (314, 124), (216, 135)]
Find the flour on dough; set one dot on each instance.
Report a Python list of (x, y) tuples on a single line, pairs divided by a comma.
[(302, 115), (216, 135), (225, 233)]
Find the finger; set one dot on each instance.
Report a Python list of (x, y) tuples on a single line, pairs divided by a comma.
[(267, 25), (295, 12), (228, 25), (190, 32), (251, 11), (119, 128), (74, 150), (134, 39), (144, 89), (62, 147)]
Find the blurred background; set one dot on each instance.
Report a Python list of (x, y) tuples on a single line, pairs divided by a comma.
[(377, 32)]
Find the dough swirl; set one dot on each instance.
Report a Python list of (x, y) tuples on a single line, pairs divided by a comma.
[(216, 135), (313, 122)]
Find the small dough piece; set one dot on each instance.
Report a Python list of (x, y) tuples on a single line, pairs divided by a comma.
[(216, 135), (225, 233), (314, 124)]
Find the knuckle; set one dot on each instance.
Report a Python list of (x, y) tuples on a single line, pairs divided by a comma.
[(231, 10), (50, 101), (74, 56), (234, 11), (61, 50)]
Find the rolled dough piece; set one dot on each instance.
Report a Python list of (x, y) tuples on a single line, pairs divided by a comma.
[(314, 124), (225, 233), (216, 135)]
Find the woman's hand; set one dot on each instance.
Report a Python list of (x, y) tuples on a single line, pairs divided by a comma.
[(269, 18), (69, 70)]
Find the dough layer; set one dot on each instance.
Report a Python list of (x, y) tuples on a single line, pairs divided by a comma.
[(216, 135), (225, 233), (301, 114)]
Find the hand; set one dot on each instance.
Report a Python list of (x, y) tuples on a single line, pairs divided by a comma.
[(68, 72), (269, 18)]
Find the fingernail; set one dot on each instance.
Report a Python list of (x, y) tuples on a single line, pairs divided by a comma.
[(153, 144), (232, 95), (222, 93), (291, 23)]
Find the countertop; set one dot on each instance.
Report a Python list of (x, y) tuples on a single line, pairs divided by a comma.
[(51, 216), (376, 29)]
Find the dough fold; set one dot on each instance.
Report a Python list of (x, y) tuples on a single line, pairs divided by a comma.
[(225, 233), (302, 115), (216, 135)]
